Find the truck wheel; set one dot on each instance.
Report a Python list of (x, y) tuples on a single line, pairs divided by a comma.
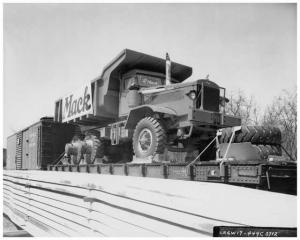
[(149, 138), (253, 134), (265, 150), (95, 148), (277, 150), (76, 159)]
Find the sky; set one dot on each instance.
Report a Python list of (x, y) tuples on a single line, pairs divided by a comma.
[(52, 49)]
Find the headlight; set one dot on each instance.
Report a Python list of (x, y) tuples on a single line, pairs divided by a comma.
[(192, 95)]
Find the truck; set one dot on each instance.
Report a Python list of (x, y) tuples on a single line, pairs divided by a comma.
[(142, 110), (145, 101)]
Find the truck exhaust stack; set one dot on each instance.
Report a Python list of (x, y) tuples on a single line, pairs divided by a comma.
[(168, 70)]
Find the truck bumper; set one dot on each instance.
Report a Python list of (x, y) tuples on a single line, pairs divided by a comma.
[(219, 120)]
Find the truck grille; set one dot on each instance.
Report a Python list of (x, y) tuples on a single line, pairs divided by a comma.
[(211, 98)]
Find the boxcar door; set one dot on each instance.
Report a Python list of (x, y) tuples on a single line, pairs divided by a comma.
[(19, 150), (11, 152), (25, 150), (33, 147)]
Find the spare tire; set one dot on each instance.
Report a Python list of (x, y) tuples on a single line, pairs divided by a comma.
[(277, 150), (265, 150), (254, 134)]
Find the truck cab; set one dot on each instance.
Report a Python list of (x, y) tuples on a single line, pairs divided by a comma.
[(130, 85)]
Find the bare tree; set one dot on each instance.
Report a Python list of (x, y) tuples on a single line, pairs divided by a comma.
[(244, 107), (282, 113)]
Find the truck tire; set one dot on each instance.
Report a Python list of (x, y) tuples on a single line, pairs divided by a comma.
[(277, 150), (226, 134), (95, 149), (265, 150), (254, 134), (76, 159), (73, 151), (149, 138)]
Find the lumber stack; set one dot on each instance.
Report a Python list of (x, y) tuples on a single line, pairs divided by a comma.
[(81, 204)]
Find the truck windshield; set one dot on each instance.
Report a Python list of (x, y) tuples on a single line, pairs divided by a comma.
[(148, 81), (144, 81)]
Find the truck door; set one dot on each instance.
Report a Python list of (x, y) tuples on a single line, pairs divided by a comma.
[(124, 90)]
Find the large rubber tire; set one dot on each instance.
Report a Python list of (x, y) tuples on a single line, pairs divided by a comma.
[(277, 150), (254, 134), (97, 150), (149, 138), (76, 159), (90, 158), (265, 150), (74, 153)]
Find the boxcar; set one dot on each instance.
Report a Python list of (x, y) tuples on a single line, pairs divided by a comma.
[(39, 144)]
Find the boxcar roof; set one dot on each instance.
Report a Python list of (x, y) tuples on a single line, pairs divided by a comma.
[(43, 119)]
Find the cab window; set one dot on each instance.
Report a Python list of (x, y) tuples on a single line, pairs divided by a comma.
[(144, 81), (148, 81)]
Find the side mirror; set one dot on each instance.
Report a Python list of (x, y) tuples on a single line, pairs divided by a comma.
[(223, 100)]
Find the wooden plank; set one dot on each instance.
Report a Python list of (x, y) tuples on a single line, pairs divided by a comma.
[(124, 228), (152, 225), (112, 232), (33, 229), (68, 212), (180, 193), (27, 223), (21, 206), (135, 206), (49, 212), (17, 233), (44, 217), (205, 200), (57, 206), (55, 197), (164, 215)]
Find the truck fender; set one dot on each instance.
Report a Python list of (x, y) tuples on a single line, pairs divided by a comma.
[(137, 113)]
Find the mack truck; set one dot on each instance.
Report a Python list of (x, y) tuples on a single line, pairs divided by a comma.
[(142, 109)]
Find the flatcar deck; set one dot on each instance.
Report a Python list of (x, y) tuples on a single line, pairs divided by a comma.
[(267, 176)]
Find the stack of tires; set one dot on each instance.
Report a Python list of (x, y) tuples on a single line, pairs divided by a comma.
[(265, 140)]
